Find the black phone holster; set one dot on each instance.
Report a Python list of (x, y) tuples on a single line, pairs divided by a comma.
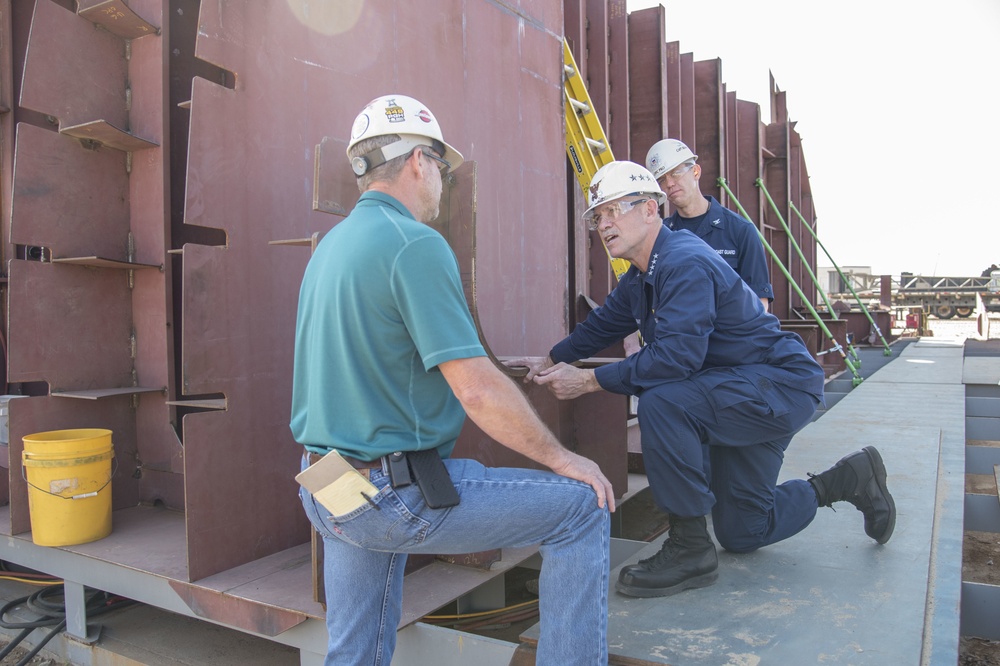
[(427, 470)]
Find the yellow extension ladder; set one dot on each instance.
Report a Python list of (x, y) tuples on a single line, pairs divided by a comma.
[(586, 144)]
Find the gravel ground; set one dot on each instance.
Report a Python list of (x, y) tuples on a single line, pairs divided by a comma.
[(972, 651)]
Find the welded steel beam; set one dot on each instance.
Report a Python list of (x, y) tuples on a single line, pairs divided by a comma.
[(618, 128), (710, 139), (749, 160), (649, 98)]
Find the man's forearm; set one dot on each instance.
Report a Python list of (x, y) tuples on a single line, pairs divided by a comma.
[(500, 409)]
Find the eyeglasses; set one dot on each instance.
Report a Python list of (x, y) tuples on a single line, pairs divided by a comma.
[(444, 166), (678, 172), (611, 212)]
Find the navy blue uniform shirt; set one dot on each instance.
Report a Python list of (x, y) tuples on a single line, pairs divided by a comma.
[(694, 313), (735, 239)]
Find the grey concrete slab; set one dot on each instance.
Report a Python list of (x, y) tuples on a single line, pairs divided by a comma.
[(424, 644), (841, 384), (928, 395), (981, 405), (982, 391), (934, 366), (981, 459), (979, 610), (982, 513), (986, 428), (932, 343), (982, 370)]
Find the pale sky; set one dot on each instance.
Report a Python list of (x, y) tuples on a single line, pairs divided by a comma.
[(897, 107)]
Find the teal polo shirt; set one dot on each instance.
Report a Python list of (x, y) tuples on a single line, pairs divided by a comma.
[(380, 307)]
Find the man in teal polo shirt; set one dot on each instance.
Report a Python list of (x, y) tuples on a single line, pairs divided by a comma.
[(387, 360)]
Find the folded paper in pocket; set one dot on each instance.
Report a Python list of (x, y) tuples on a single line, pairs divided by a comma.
[(336, 484)]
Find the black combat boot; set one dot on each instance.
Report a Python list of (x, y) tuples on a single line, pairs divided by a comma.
[(860, 479), (687, 560)]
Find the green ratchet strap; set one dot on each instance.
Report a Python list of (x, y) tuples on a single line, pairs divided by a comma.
[(829, 308), (777, 262), (887, 351)]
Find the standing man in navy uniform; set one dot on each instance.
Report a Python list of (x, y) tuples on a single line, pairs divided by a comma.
[(676, 169), (717, 378)]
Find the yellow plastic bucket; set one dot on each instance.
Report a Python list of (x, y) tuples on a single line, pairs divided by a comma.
[(69, 485)]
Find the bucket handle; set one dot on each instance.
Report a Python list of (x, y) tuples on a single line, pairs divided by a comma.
[(93, 493)]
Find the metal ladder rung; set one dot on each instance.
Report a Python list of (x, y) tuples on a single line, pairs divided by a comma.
[(585, 138), (581, 107)]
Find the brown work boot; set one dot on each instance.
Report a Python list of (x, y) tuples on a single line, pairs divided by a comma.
[(687, 560), (860, 479)]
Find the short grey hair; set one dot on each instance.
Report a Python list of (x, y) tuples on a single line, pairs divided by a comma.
[(387, 171)]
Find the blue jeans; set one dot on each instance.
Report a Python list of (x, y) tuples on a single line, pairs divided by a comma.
[(365, 552)]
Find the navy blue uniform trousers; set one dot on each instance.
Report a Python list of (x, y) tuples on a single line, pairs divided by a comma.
[(716, 443)]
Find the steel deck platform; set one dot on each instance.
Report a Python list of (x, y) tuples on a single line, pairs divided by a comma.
[(830, 594)]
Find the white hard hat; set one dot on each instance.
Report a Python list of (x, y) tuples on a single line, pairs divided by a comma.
[(402, 115), (667, 155), (620, 179)]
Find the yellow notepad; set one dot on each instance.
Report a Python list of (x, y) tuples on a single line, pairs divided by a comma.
[(335, 484)]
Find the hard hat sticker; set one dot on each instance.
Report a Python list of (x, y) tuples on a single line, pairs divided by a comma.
[(425, 115), (361, 124), (394, 112), (594, 190)]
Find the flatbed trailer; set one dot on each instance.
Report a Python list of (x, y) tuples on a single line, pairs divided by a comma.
[(946, 297)]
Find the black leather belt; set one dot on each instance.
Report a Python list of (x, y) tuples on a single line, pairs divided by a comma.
[(363, 466)]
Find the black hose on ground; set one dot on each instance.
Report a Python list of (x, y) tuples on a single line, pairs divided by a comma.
[(38, 648), (52, 615), (14, 643)]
